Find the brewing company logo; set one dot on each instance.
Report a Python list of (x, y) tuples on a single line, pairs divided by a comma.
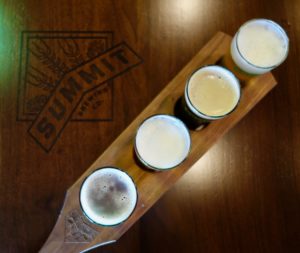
[(78, 229), (68, 76)]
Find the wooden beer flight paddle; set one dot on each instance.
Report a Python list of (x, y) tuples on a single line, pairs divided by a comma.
[(73, 232)]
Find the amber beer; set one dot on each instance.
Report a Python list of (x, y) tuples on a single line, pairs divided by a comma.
[(259, 46), (211, 93), (108, 196)]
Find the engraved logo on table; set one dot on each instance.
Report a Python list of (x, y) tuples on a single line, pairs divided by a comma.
[(78, 229), (46, 57), (67, 76)]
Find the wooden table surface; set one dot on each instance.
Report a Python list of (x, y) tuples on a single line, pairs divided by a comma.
[(242, 196)]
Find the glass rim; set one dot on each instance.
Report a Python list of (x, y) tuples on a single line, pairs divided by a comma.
[(206, 116), (82, 209), (146, 163), (278, 27)]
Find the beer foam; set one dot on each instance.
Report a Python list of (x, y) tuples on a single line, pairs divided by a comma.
[(212, 91), (259, 46), (108, 196), (262, 44), (162, 142)]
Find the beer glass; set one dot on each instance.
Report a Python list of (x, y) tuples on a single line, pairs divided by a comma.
[(211, 93), (259, 46), (108, 196), (162, 142)]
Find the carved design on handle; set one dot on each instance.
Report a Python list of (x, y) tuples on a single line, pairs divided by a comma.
[(77, 228)]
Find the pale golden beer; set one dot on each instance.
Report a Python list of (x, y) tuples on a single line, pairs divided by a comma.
[(211, 93), (259, 46), (162, 142)]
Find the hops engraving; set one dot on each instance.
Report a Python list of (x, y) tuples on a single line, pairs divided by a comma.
[(44, 53), (95, 48), (36, 103), (40, 80), (71, 50)]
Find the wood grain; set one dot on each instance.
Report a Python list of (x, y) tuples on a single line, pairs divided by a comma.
[(120, 152), (241, 196)]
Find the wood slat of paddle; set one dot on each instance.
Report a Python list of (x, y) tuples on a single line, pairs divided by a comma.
[(74, 233)]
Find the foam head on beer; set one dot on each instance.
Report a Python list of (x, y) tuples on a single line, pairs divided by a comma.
[(212, 92), (108, 196), (162, 142), (259, 46)]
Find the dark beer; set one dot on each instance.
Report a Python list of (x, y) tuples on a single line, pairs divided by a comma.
[(108, 196)]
